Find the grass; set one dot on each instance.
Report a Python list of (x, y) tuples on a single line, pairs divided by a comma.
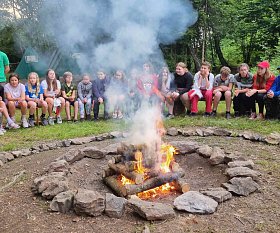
[(22, 138)]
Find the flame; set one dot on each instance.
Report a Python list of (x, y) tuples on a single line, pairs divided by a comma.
[(125, 181), (139, 164), (168, 151), (152, 193)]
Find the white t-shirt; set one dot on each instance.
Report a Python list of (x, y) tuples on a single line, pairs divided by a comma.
[(15, 92), (44, 85)]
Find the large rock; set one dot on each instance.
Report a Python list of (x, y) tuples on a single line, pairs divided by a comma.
[(151, 210), (80, 141), (242, 172), (218, 194), (217, 156), (26, 152), (73, 156), (247, 163), (252, 136), (221, 132), (205, 151), (62, 202), (114, 206), (273, 138), (172, 131), (195, 202), (88, 202), (189, 132), (112, 148), (92, 152), (184, 147), (6, 157), (116, 134), (241, 186), (59, 166)]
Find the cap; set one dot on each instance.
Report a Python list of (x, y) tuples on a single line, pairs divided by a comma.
[(264, 64)]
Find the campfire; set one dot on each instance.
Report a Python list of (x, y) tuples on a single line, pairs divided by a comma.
[(147, 170)]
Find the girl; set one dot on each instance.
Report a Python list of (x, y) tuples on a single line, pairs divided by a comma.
[(262, 82), (203, 85), (34, 97), (15, 95), (52, 87), (69, 93), (99, 87), (85, 96), (116, 94), (4, 112)]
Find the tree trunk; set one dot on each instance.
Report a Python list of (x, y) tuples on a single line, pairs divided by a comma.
[(196, 60), (219, 51)]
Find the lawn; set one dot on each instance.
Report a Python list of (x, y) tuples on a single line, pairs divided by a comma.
[(15, 139)]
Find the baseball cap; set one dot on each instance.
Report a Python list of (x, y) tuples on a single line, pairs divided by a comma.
[(264, 64)]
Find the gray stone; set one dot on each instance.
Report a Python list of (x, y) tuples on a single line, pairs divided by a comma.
[(62, 202), (222, 132), (105, 135), (53, 187), (112, 149), (208, 132), (59, 166), (195, 202), (37, 148), (44, 147), (233, 157), (73, 156), (172, 131), (242, 172), (8, 156), (26, 152), (247, 163), (93, 152), (114, 206), (218, 194), (17, 153), (116, 134), (52, 145), (217, 156), (184, 147), (189, 132), (252, 136), (66, 143), (273, 139), (89, 202), (205, 151), (59, 144), (200, 132), (241, 186), (151, 210), (99, 138)]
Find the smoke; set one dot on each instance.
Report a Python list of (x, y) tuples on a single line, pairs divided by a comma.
[(116, 34)]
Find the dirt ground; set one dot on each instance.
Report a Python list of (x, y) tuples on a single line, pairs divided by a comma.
[(21, 211)]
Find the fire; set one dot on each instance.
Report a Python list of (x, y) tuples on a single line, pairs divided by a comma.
[(125, 181), (139, 164), (152, 193), (168, 151)]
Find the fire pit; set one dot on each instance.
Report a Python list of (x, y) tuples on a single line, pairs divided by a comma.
[(141, 170)]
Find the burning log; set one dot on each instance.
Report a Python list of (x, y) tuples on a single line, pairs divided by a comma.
[(116, 185), (138, 178), (182, 186), (152, 183)]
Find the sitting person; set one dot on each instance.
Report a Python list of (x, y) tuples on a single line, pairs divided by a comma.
[(69, 93), (203, 87), (85, 97), (272, 100), (4, 112), (262, 82), (15, 96), (116, 94), (99, 87), (223, 84), (243, 83), (34, 97), (52, 92)]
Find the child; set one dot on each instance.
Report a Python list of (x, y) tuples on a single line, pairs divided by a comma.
[(52, 87), (99, 87), (34, 97), (203, 85), (15, 95), (69, 93), (116, 94), (223, 84), (85, 96)]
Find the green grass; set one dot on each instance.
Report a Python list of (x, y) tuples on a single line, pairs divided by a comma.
[(22, 138)]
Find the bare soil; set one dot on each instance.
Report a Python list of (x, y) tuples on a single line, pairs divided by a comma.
[(21, 211)]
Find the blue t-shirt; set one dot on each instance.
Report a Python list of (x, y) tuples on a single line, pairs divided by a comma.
[(32, 93)]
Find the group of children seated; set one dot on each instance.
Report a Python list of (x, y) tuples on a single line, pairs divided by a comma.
[(123, 95)]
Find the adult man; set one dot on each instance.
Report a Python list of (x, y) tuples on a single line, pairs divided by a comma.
[(4, 67)]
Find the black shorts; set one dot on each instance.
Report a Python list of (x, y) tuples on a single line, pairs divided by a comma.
[(71, 102)]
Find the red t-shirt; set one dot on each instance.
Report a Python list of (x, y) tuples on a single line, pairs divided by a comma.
[(268, 84)]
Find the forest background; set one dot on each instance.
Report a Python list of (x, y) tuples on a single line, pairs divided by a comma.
[(227, 33)]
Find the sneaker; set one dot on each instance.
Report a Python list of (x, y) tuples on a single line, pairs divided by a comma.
[(58, 120), (228, 115), (206, 114), (260, 116), (82, 119), (2, 129), (14, 126), (88, 117), (192, 114), (44, 121), (24, 123), (50, 121), (253, 116), (213, 114), (31, 122), (236, 114), (1, 132), (114, 115), (169, 116), (106, 117)]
